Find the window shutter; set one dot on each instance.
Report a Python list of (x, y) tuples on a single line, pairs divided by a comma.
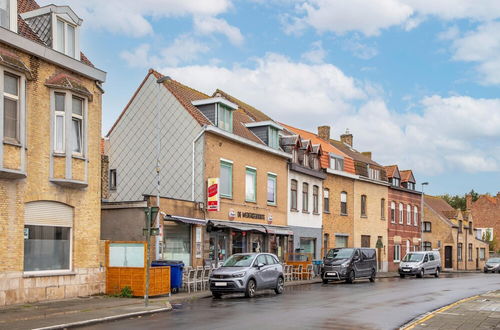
[(46, 213)]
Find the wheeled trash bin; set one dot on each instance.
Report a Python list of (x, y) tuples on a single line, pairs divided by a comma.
[(176, 267)]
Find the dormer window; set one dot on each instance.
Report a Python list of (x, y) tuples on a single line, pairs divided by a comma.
[(8, 14), (395, 182), (218, 110), (274, 138), (267, 131), (65, 38), (336, 162), (373, 173), (225, 118)]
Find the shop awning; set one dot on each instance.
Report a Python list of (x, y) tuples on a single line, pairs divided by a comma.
[(266, 229), (192, 221)]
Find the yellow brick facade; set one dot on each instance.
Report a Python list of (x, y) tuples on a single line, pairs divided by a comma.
[(372, 225), (87, 276)]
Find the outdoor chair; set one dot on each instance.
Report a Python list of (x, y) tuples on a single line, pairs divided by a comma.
[(206, 276), (190, 280), (198, 278), (297, 272), (199, 267), (308, 273)]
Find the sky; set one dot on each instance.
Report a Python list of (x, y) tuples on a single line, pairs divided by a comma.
[(416, 82)]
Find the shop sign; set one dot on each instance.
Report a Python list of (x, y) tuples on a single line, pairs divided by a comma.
[(250, 215), (232, 214), (213, 199)]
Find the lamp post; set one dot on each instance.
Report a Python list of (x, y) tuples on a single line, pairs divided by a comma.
[(422, 216), (151, 213)]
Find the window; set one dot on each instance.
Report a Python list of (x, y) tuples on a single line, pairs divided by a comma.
[(470, 228), (373, 173), (225, 118), (112, 179), (459, 252), (77, 124), (336, 163), (431, 257), (393, 212), (274, 138), (460, 226), (340, 241), (397, 253), (426, 227), (11, 107), (59, 122), (411, 185), (5, 14), (415, 216), (315, 199), (305, 197), (226, 178), (308, 245), (401, 213), (382, 209), (326, 200), (271, 189), (395, 182), (427, 246), (65, 38), (363, 205), (293, 195), (408, 214), (469, 253), (365, 241), (315, 163), (295, 156), (343, 203), (250, 184), (482, 252)]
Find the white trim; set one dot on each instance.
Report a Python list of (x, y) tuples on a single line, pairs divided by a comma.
[(13, 15), (226, 160), (264, 123), (40, 273), (272, 173), (242, 140), (61, 10), (342, 173), (382, 183), (50, 55), (213, 100), (251, 168)]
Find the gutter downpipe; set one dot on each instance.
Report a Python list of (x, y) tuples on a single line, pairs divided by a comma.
[(192, 160)]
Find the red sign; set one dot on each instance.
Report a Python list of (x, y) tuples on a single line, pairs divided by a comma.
[(213, 198)]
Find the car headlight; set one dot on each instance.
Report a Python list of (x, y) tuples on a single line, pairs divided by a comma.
[(345, 264), (239, 274)]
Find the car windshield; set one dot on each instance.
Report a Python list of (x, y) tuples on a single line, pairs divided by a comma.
[(339, 253), (493, 261), (239, 260), (413, 257)]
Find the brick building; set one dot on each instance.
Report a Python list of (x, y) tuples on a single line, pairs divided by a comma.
[(486, 213), (51, 127), (403, 214), (453, 233)]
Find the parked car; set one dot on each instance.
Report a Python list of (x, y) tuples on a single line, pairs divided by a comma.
[(248, 273), (420, 263), (349, 264), (492, 265)]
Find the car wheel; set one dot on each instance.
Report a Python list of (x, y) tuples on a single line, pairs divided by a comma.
[(402, 275), (437, 273), (279, 286), (351, 277), (372, 277), (420, 273), (485, 271), (251, 288), (325, 281), (216, 295)]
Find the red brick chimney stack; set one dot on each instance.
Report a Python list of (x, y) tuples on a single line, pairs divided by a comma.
[(347, 138), (468, 202), (324, 132)]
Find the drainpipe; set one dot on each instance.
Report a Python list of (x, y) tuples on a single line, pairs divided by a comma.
[(192, 161)]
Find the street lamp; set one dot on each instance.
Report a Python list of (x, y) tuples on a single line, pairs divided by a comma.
[(422, 216), (151, 213)]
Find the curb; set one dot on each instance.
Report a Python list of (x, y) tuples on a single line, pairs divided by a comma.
[(105, 319), (424, 317)]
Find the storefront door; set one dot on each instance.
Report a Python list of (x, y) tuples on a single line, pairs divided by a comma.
[(239, 242), (177, 242), (257, 243), (218, 248)]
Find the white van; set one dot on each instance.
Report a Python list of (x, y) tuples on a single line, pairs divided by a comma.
[(420, 263)]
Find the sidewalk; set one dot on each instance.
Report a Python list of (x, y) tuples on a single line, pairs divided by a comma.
[(83, 311), (478, 312)]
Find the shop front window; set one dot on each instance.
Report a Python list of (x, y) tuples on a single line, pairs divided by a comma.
[(239, 242), (308, 245), (177, 242), (218, 248), (257, 244)]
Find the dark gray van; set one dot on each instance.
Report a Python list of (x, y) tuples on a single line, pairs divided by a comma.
[(349, 264)]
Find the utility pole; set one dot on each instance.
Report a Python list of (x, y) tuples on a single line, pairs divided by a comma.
[(151, 213), (422, 216)]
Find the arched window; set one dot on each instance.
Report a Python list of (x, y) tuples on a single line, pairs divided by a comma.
[(401, 213), (393, 212), (343, 203), (415, 216), (408, 214)]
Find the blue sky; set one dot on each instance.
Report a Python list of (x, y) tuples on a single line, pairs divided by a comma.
[(417, 82)]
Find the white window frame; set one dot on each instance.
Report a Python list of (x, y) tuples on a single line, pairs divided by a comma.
[(415, 216), (253, 171), (397, 252), (326, 200), (274, 178), (408, 214), (343, 199), (273, 138), (401, 213), (224, 118), (228, 164), (63, 115), (336, 163), (80, 118), (56, 37), (393, 212), (12, 13), (17, 99)]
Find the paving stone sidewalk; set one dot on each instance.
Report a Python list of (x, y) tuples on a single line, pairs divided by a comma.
[(481, 312)]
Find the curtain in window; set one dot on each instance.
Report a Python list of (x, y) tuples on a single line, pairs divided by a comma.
[(250, 185), (71, 40), (4, 14)]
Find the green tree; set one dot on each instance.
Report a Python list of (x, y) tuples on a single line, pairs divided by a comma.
[(492, 241)]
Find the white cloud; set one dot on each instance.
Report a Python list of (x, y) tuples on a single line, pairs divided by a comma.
[(317, 53), (184, 49), (132, 17), (481, 46), (439, 134), (451, 33), (209, 25), (359, 49)]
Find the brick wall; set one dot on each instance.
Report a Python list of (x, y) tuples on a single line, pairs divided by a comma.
[(486, 214)]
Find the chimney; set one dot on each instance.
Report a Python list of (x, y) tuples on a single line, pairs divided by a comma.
[(346, 138), (468, 201), (367, 154), (324, 132)]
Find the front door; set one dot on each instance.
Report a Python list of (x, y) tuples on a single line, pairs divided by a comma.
[(448, 257), (218, 248)]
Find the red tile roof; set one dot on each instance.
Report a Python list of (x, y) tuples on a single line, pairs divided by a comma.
[(439, 205), (326, 147), (407, 175), (250, 111), (391, 170)]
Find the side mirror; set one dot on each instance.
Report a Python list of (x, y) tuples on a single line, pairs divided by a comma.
[(356, 258), (260, 265)]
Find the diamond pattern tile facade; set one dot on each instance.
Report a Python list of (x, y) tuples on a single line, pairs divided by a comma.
[(133, 147)]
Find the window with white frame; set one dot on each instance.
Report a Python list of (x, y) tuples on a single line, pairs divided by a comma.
[(401, 213), (395, 182), (336, 163), (397, 253), (225, 118), (226, 178), (315, 199), (250, 184), (305, 197), (343, 203), (482, 253), (326, 200), (408, 214), (271, 189), (65, 37), (426, 226), (393, 212), (5, 13), (373, 173), (11, 107), (407, 247), (415, 215), (66, 104)]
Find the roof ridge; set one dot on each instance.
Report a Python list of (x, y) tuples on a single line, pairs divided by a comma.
[(160, 75), (240, 102)]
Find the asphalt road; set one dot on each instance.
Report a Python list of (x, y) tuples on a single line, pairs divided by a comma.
[(386, 304)]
